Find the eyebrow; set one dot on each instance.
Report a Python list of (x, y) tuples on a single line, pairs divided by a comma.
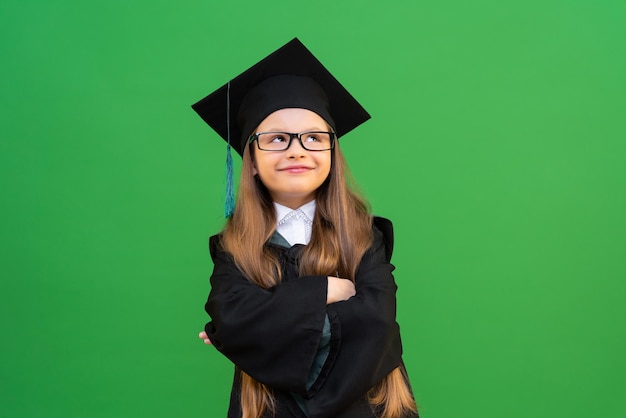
[(304, 130)]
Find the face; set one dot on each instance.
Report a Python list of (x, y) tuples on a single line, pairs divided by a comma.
[(293, 176)]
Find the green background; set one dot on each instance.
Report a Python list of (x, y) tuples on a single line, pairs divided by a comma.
[(497, 146)]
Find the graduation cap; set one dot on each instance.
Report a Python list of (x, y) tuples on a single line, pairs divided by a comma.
[(290, 77)]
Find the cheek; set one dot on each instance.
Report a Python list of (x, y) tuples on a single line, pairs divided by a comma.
[(327, 165), (327, 172)]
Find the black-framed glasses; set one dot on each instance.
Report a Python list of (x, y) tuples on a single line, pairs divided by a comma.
[(280, 141)]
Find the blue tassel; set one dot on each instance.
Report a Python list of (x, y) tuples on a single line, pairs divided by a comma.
[(229, 204)]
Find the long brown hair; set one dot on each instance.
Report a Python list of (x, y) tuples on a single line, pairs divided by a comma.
[(341, 233)]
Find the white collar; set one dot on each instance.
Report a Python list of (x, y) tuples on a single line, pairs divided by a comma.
[(295, 225), (308, 209)]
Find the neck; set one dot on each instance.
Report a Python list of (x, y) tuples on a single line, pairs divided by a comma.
[(294, 202)]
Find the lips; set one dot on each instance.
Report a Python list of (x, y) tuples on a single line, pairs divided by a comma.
[(295, 169)]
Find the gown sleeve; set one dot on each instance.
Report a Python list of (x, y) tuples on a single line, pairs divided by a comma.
[(366, 336), (271, 334)]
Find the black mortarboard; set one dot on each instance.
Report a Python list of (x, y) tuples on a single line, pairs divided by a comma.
[(290, 77)]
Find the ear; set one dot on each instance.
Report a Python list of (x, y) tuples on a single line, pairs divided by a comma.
[(252, 150)]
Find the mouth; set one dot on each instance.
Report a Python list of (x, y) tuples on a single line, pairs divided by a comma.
[(295, 169)]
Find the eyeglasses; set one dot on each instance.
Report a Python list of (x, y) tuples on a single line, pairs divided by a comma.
[(280, 141)]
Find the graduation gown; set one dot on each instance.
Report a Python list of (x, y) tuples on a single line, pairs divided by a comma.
[(274, 334)]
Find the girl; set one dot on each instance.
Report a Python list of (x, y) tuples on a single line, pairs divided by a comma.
[(302, 295)]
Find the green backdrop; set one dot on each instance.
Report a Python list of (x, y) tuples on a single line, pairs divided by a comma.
[(497, 146)]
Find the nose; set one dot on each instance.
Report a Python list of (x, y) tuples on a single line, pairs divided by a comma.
[(295, 149)]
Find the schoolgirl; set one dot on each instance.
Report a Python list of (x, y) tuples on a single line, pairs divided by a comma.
[(302, 300)]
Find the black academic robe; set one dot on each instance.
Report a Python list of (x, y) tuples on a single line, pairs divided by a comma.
[(273, 334)]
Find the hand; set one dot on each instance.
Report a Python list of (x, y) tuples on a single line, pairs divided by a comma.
[(204, 337), (339, 289)]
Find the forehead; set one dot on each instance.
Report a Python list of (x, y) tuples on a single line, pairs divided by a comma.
[(293, 117)]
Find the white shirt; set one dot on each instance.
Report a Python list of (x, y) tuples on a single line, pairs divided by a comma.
[(295, 224)]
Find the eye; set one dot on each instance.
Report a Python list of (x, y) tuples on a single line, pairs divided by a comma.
[(311, 137), (278, 138), (274, 138)]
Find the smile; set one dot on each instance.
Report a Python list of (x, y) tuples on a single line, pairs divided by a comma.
[(295, 169)]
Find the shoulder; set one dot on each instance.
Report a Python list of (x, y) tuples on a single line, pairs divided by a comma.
[(215, 244), (383, 234)]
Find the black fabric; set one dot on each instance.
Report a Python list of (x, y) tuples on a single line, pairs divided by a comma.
[(273, 334)]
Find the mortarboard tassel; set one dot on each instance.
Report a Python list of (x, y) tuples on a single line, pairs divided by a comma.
[(229, 204)]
